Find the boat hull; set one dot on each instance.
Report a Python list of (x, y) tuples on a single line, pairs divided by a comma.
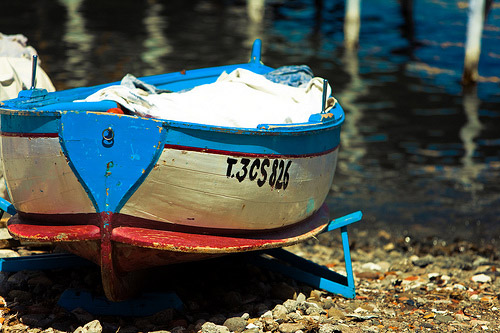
[(225, 187)]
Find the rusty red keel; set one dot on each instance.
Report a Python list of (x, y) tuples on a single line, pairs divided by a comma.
[(124, 252)]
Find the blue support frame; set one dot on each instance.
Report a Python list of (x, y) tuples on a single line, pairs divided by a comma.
[(284, 262), (315, 275)]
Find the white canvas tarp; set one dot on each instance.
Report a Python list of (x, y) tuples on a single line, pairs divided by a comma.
[(16, 67), (238, 99)]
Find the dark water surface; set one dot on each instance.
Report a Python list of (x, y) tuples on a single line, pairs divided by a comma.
[(418, 155)]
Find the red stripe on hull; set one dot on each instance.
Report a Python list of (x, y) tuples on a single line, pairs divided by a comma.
[(235, 153), (30, 135)]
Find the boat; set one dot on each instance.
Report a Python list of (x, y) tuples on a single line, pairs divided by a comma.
[(131, 192)]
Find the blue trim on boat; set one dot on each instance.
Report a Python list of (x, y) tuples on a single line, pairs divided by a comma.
[(293, 139), (292, 142), (25, 123), (110, 156)]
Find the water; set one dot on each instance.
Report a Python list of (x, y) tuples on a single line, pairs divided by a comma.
[(419, 154)]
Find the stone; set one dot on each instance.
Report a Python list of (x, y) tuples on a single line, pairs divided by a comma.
[(18, 279), (280, 312), (82, 316), (443, 318), (209, 327), (290, 327), (218, 319), (336, 314), (282, 291), (368, 275), (389, 247), (163, 317), (423, 262), (236, 324), (40, 279), (92, 327), (327, 303), (313, 308), (290, 305), (20, 295), (371, 267), (267, 314), (198, 324), (315, 295), (36, 319), (479, 261), (4, 253), (301, 298), (295, 316), (481, 278)]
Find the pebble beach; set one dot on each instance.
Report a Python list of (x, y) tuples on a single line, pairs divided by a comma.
[(403, 284)]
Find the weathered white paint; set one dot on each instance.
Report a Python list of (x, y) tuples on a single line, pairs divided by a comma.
[(39, 179), (191, 188), (185, 187)]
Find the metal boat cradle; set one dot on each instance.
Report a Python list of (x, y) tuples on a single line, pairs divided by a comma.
[(93, 142)]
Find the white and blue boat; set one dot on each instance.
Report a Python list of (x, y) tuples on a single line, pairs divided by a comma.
[(131, 192)]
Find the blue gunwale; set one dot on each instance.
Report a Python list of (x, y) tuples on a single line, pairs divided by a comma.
[(287, 140)]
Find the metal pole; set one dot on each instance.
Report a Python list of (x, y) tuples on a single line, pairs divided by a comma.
[(473, 41), (33, 71), (325, 88)]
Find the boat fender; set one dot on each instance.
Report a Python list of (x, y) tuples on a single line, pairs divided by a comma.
[(115, 110), (118, 109)]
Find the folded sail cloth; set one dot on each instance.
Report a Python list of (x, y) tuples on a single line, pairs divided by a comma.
[(15, 75), (238, 99)]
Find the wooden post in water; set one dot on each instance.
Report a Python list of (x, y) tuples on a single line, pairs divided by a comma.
[(352, 23), (473, 41)]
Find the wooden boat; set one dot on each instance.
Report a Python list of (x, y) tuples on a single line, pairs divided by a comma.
[(129, 192)]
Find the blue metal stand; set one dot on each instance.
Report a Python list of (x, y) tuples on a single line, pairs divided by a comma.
[(145, 304), (306, 271), (42, 262), (278, 260)]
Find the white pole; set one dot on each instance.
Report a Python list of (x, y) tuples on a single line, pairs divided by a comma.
[(255, 10), (352, 24), (473, 41)]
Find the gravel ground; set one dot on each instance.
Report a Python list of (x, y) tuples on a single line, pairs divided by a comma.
[(403, 284)]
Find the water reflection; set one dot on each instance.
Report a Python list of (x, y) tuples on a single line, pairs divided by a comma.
[(78, 43), (156, 44), (468, 134), (352, 140)]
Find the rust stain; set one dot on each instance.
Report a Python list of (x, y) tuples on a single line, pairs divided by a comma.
[(326, 115), (109, 165)]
